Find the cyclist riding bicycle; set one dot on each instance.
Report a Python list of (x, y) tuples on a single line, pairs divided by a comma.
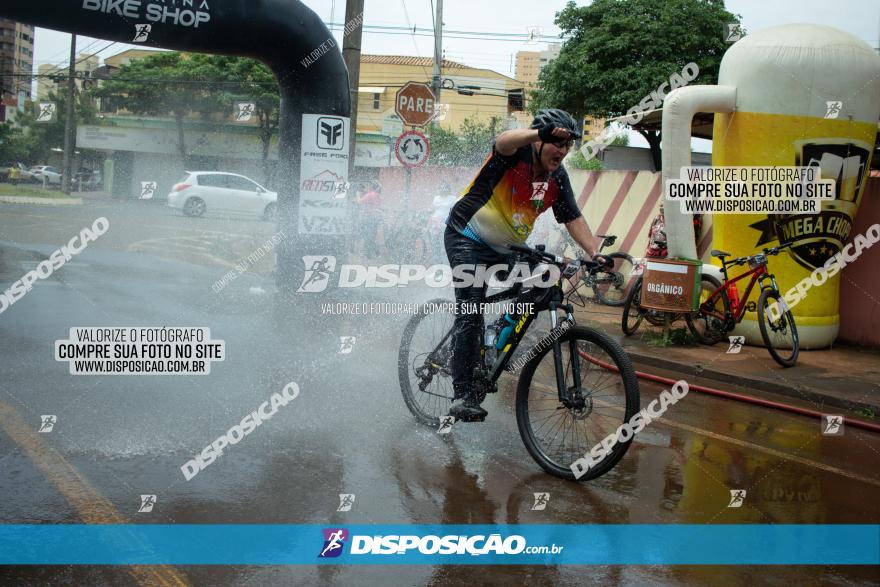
[(522, 178)]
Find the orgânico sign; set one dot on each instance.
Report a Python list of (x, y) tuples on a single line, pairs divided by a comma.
[(414, 104)]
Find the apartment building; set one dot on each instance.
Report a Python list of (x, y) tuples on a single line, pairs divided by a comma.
[(16, 59)]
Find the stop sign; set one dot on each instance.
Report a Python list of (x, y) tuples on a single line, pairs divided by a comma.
[(414, 104)]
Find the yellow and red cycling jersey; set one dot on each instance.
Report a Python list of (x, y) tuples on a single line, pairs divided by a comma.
[(500, 205)]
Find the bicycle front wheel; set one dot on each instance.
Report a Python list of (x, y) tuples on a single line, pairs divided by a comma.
[(605, 391), (777, 328), (612, 287), (424, 362)]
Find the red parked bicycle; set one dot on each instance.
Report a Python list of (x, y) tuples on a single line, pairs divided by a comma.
[(721, 307)]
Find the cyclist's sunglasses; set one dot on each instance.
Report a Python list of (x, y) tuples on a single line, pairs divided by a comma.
[(566, 144)]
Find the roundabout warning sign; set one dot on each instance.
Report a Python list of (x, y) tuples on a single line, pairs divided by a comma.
[(412, 148)]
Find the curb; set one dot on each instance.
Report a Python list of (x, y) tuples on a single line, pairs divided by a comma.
[(801, 392), (43, 201)]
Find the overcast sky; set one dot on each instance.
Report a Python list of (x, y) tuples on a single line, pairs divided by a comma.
[(485, 18), (859, 17)]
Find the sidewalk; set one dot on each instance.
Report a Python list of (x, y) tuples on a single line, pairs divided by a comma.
[(843, 377)]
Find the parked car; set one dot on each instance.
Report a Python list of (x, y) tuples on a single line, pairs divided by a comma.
[(216, 191), (24, 175), (53, 175)]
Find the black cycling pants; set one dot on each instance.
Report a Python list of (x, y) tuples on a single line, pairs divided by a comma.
[(468, 324)]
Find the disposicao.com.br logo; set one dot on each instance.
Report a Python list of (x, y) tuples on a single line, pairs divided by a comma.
[(451, 544), (321, 269)]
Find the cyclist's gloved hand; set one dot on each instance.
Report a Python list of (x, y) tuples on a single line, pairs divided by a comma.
[(604, 261), (545, 133)]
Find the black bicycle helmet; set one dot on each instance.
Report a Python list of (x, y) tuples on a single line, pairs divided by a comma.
[(559, 119)]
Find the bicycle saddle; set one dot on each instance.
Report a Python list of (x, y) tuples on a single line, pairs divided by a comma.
[(719, 254)]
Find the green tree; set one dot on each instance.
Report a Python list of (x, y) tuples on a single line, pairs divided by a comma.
[(169, 84), (468, 147), (619, 51), (252, 80), (29, 141)]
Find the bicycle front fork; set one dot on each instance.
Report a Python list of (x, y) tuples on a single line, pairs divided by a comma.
[(566, 397)]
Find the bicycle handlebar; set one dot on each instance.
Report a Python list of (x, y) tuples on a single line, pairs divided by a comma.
[(560, 261)]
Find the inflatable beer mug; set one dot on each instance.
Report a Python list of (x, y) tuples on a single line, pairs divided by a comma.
[(806, 95)]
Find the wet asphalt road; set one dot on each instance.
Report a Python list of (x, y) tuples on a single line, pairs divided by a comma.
[(118, 437)]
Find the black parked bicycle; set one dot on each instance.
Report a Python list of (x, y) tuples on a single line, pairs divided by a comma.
[(611, 285), (572, 392)]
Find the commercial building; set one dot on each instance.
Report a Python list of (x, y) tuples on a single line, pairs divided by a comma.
[(16, 60), (528, 68), (52, 78)]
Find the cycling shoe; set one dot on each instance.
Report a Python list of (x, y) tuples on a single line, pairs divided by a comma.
[(467, 410)]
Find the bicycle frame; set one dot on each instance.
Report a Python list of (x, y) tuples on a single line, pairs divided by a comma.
[(738, 308), (543, 299)]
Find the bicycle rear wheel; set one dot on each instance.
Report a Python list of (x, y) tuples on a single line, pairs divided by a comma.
[(779, 334), (632, 312), (424, 362), (607, 385), (612, 287), (708, 325)]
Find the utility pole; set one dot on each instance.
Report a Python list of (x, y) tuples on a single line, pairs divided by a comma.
[(438, 50), (69, 124), (351, 54)]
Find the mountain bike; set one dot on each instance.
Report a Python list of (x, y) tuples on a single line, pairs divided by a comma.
[(577, 382), (721, 307), (610, 285)]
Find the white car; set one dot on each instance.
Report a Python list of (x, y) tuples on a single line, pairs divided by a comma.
[(215, 191), (53, 176)]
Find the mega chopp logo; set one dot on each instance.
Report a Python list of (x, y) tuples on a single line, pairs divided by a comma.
[(815, 238)]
